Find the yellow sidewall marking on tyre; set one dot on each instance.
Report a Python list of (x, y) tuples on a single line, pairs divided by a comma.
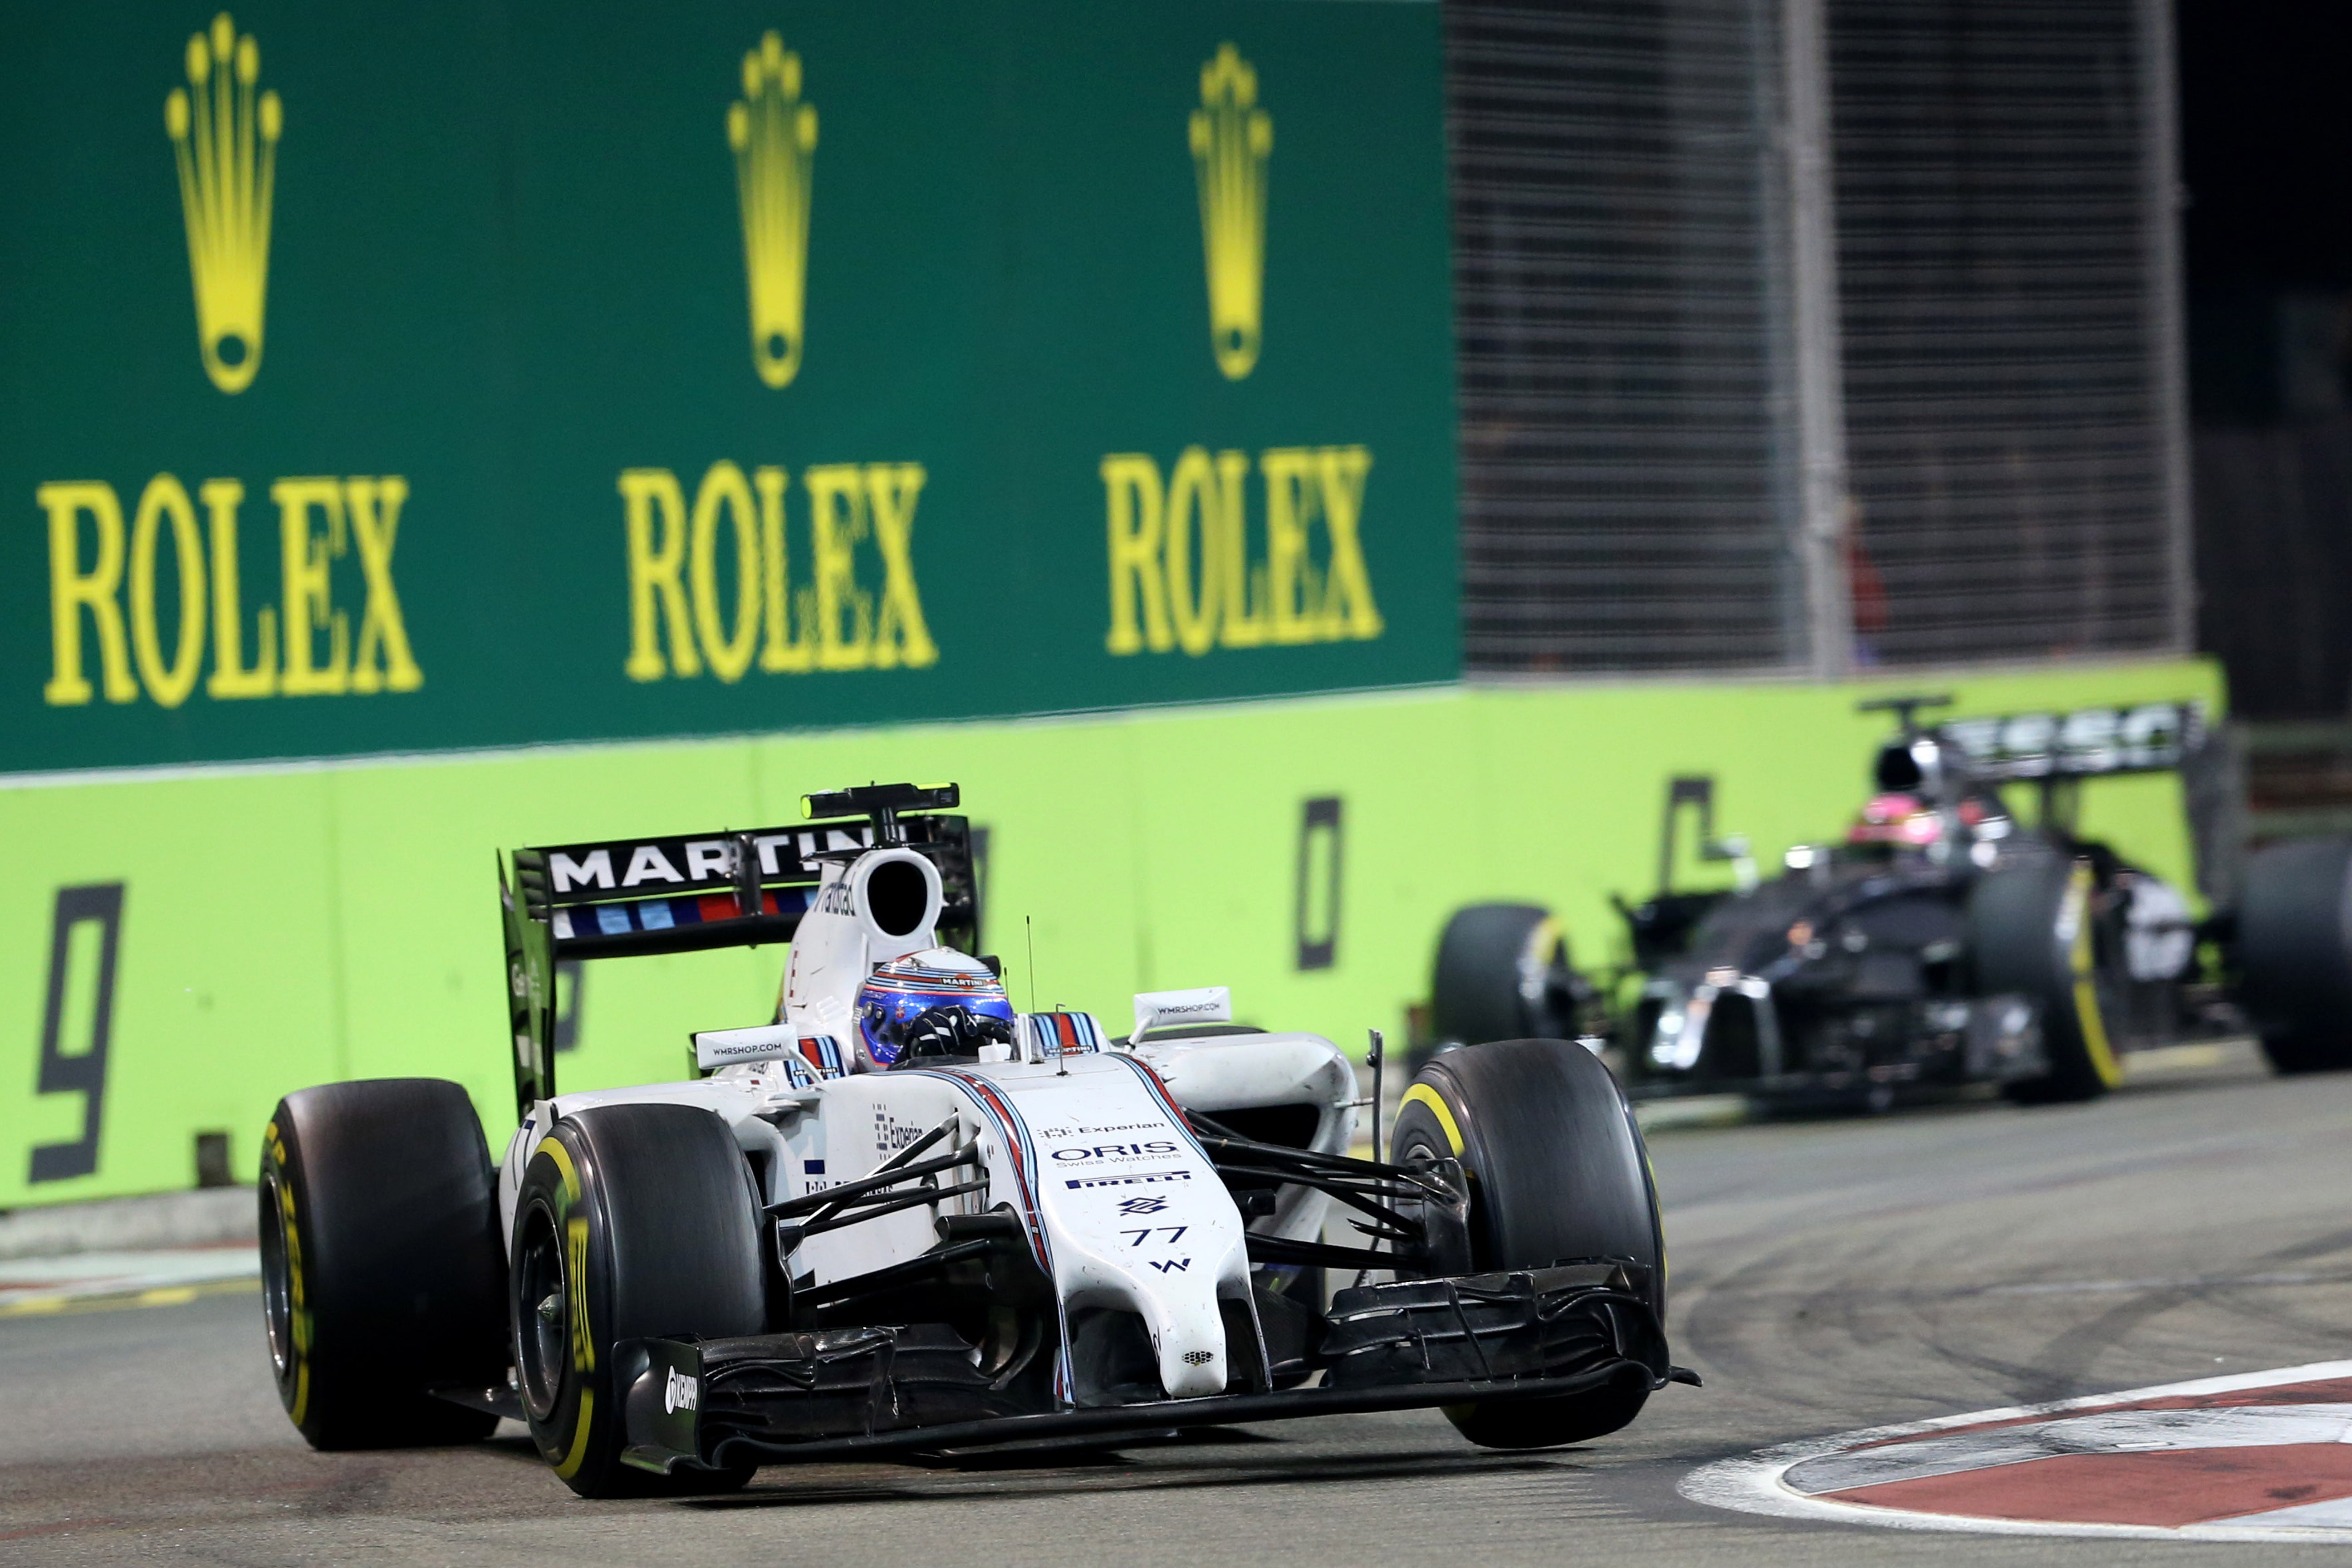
[(2087, 1014), (575, 1243), (1648, 1165), (298, 1307), (1422, 1094), (572, 1460), (297, 1299), (562, 1158), (583, 1346)]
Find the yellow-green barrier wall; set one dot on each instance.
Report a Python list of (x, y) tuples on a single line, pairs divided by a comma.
[(285, 928)]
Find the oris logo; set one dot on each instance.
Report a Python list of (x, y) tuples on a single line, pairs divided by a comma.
[(1116, 1150), (680, 1392)]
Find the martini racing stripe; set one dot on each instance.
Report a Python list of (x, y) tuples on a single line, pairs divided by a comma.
[(1051, 1034), (1167, 1103), (822, 1054), (667, 914), (1015, 1133)]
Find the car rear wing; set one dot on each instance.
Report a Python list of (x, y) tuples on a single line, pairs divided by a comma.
[(2055, 752), (2088, 742), (625, 898)]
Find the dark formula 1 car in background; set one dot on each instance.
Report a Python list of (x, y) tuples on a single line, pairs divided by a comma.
[(1946, 940)]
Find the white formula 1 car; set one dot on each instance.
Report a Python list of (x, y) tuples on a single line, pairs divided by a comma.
[(903, 1217)]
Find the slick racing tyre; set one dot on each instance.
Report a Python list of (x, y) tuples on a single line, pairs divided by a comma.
[(380, 1274), (1556, 1171), (1502, 974), (634, 1222), (2294, 953), (2031, 932)]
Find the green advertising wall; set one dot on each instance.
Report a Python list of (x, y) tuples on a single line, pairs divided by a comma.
[(431, 428), (279, 928), (396, 378)]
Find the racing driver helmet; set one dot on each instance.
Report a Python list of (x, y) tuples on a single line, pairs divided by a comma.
[(935, 1005)]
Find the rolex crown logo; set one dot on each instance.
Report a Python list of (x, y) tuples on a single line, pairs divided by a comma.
[(225, 140), (1231, 138), (774, 137)]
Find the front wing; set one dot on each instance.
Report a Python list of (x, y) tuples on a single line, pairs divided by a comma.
[(1532, 1335)]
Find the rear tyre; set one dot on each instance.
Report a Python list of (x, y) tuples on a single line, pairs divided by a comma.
[(634, 1222), (2294, 953), (1558, 1170), (2032, 934), (380, 1274), (1502, 974)]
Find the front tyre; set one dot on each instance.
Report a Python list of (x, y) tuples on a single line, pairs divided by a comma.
[(1558, 1171), (2033, 933), (1502, 974), (381, 1276), (634, 1222)]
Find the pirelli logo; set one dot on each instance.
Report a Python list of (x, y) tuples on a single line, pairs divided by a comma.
[(1141, 1178)]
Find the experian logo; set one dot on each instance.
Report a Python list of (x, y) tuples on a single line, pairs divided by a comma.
[(680, 1392)]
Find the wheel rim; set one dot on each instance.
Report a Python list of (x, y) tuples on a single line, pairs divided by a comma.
[(1419, 1150), (1542, 965), (542, 1342), (277, 1278)]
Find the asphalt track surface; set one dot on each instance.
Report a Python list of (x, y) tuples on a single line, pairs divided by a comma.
[(1826, 1276)]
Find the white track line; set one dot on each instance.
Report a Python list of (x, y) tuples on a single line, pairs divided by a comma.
[(30, 1285), (1754, 1484)]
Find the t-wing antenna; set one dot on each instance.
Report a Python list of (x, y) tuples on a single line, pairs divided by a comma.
[(882, 803), (1906, 709)]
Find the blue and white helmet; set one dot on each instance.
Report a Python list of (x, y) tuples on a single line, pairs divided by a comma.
[(902, 991)]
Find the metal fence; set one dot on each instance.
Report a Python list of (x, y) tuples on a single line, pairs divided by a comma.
[(1994, 442), (2010, 363), (1625, 492)]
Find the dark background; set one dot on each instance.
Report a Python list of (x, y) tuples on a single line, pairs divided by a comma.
[(2266, 156)]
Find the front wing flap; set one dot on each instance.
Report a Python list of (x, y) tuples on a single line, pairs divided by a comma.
[(1410, 1344)]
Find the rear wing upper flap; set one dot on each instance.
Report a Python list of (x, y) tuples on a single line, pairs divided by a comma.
[(684, 893), (2087, 742), (2056, 749)]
